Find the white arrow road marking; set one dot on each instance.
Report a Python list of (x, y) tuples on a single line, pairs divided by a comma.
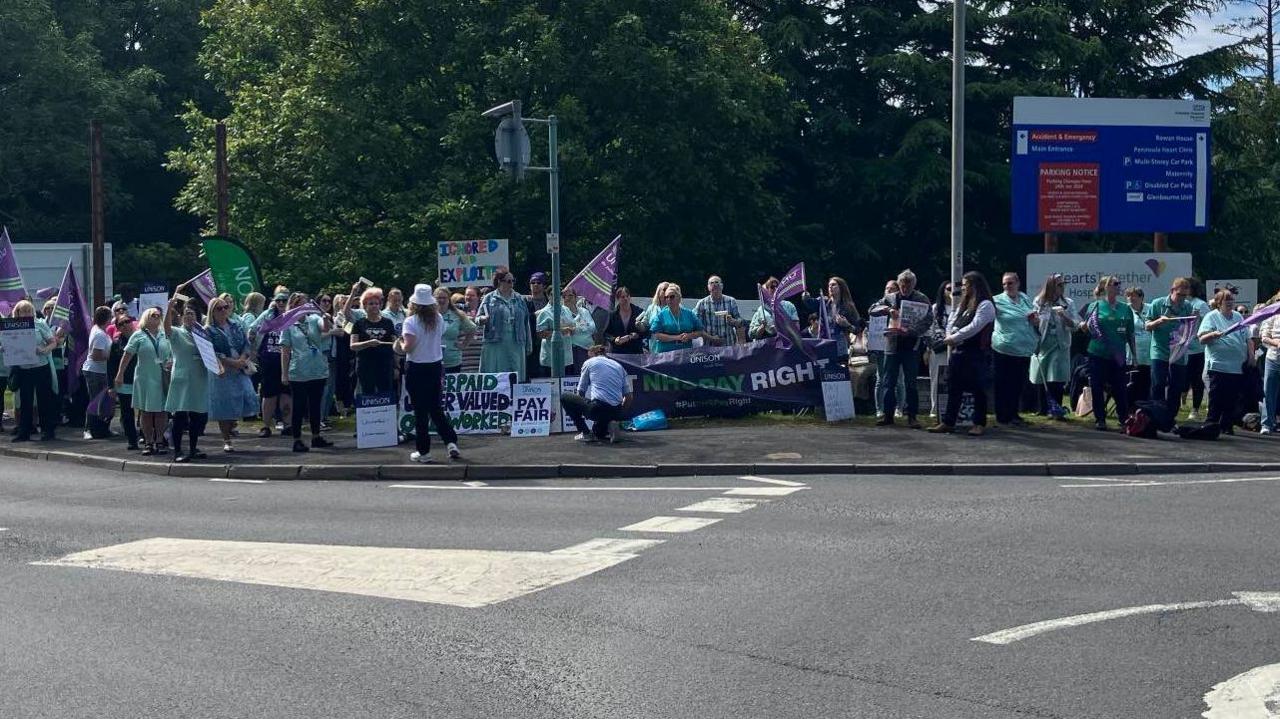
[(459, 577), (764, 491), (1257, 601), (723, 505), (1252, 695), (669, 524), (767, 480), (1232, 480)]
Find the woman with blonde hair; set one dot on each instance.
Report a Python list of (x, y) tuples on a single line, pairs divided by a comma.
[(1110, 323), (231, 395), (150, 347), (36, 383), (1050, 367), (457, 326)]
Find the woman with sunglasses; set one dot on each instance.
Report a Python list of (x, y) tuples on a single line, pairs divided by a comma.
[(1110, 324), (1050, 367), (1013, 341), (150, 347), (504, 315), (231, 395), (187, 400), (675, 326)]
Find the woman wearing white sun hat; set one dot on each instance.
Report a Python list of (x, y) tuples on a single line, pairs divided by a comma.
[(422, 345)]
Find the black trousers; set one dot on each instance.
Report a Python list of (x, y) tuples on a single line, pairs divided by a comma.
[(965, 372), (579, 409), (1140, 381), (35, 388), (424, 382), (1195, 378), (308, 401), (1224, 398), (1105, 372), (128, 421), (191, 424), (1011, 376), (375, 377)]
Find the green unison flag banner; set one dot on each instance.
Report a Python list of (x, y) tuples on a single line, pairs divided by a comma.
[(234, 268)]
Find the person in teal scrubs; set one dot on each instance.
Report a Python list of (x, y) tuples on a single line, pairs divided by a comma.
[(456, 325), (1110, 324), (1225, 358), (188, 398), (150, 347), (1168, 375), (1013, 341), (675, 327)]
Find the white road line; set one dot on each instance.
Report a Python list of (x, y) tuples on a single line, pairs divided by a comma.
[(1109, 479), (723, 505), (1266, 602), (669, 525), (763, 491), (1254, 694), (560, 489), (610, 545), (767, 480), (1233, 480), (476, 484), (459, 577), (4, 529), (240, 481), (1026, 631)]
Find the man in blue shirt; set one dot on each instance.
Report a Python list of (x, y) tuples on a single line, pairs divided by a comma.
[(602, 397)]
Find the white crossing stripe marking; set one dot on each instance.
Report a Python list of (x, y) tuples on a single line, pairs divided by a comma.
[(609, 545), (476, 484), (1233, 480), (767, 480), (1254, 694), (240, 481), (561, 489), (723, 505), (669, 524), (763, 491), (459, 577)]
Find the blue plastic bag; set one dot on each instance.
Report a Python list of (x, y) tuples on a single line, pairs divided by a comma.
[(656, 419)]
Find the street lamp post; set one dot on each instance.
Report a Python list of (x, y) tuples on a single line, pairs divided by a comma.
[(957, 148), (511, 145)]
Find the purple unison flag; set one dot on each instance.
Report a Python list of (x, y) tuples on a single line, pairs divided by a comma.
[(1180, 340), (203, 286), (45, 293), (286, 319), (596, 281), (791, 283), (72, 316), (1254, 319), (12, 289), (102, 405)]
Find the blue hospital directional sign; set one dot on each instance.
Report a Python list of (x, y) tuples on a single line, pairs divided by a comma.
[(1107, 165)]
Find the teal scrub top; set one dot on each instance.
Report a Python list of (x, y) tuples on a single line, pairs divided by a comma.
[(1228, 353), (1013, 334), (306, 360)]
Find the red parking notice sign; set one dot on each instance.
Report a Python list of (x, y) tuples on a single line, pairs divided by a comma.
[(1069, 194)]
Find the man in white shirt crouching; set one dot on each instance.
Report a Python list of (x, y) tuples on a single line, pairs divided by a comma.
[(602, 397)]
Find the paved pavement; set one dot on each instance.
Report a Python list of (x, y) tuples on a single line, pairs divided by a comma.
[(728, 447), (812, 596)]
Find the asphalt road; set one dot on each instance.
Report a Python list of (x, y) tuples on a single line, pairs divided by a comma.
[(847, 597)]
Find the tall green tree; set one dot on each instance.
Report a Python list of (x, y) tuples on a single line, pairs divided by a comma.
[(356, 140)]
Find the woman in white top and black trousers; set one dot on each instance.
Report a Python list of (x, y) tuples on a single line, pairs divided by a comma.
[(421, 342), (969, 337)]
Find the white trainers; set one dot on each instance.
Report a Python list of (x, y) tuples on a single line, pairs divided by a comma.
[(88, 434), (454, 452), (226, 447), (588, 438), (1265, 430), (420, 458)]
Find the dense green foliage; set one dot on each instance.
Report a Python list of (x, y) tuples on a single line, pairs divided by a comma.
[(729, 136)]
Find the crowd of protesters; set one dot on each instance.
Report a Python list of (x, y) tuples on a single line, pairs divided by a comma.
[(306, 368)]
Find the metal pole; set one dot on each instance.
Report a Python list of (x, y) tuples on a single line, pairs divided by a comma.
[(1161, 242), (96, 224), (1050, 246), (957, 148), (221, 177), (557, 339)]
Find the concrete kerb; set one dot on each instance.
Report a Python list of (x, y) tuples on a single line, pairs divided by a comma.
[(458, 471)]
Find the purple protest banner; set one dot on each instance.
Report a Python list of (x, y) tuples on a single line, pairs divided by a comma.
[(791, 283), (71, 314), (103, 405), (279, 322), (1183, 334), (12, 289), (1256, 318), (596, 281), (202, 285), (729, 381)]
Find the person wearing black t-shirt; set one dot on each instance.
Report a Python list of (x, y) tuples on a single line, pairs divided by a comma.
[(372, 337)]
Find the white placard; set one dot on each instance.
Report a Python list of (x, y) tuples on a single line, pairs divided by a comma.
[(200, 339), (376, 422), (1246, 295), (153, 294), (910, 312), (876, 327), (471, 262), (837, 394), (531, 410), (18, 338), (568, 385)]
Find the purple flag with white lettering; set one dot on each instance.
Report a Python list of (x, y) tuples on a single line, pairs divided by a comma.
[(71, 314), (791, 283), (202, 285), (596, 281), (12, 289)]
